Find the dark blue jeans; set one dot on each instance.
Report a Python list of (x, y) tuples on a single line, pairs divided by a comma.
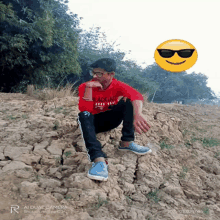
[(91, 125)]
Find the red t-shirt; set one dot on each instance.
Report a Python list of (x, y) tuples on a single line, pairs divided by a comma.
[(102, 99)]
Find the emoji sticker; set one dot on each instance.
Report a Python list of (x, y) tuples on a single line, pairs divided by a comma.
[(175, 55)]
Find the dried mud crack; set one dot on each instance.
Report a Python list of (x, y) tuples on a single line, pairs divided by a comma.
[(43, 164)]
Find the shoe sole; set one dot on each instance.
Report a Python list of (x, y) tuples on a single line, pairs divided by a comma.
[(100, 178), (135, 151)]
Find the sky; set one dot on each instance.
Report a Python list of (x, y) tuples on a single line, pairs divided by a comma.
[(142, 25)]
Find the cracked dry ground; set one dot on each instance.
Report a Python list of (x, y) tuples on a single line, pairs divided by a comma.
[(43, 164)]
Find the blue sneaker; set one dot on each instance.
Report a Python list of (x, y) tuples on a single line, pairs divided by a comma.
[(137, 149), (98, 171)]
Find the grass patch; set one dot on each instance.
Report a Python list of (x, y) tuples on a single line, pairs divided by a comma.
[(206, 142), (65, 112), (38, 177), (56, 125), (183, 172), (194, 139), (10, 117), (164, 145), (3, 111), (129, 201), (50, 93), (205, 210), (68, 197), (57, 110), (67, 153), (200, 129), (210, 142), (24, 116), (100, 203), (185, 131), (153, 195)]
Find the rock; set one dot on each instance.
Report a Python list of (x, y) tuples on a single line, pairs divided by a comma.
[(2, 157), (60, 190), (58, 196), (48, 160), (116, 208), (174, 190), (50, 134), (80, 181), (52, 170), (14, 152), (15, 165), (28, 188), (109, 150), (138, 197), (41, 152), (129, 188), (80, 216), (80, 146), (41, 145), (197, 145), (30, 159), (120, 167), (49, 183), (216, 169), (3, 163), (24, 174), (54, 149)]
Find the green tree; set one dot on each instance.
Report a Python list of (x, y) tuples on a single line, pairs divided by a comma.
[(177, 86), (38, 41)]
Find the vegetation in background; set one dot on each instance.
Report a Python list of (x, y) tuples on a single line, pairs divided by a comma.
[(38, 43), (41, 43)]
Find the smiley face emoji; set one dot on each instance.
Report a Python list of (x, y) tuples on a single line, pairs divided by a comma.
[(175, 55)]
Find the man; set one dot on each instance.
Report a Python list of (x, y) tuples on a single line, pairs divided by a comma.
[(100, 111)]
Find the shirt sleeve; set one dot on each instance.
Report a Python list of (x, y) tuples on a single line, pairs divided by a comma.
[(129, 92), (83, 104)]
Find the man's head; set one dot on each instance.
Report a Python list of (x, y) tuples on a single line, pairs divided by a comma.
[(103, 70)]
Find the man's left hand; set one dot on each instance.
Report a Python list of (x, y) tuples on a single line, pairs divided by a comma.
[(140, 124)]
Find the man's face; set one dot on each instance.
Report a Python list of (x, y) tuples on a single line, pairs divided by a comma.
[(102, 76)]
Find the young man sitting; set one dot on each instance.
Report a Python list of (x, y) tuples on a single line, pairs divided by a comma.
[(101, 111)]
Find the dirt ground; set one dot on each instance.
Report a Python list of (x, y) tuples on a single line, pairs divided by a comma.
[(43, 164)]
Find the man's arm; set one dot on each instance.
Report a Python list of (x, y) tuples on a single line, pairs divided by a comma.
[(140, 123), (88, 93), (137, 105)]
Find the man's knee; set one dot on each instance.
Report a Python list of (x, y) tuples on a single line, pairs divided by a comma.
[(85, 114)]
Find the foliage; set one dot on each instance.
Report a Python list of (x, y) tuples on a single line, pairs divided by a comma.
[(177, 86), (183, 172), (153, 195), (164, 145), (38, 42)]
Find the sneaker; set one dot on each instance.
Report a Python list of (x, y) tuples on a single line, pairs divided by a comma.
[(137, 149), (98, 171)]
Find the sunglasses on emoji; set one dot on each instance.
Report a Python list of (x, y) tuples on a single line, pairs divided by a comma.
[(185, 53)]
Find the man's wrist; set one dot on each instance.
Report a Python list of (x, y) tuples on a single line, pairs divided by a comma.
[(87, 99)]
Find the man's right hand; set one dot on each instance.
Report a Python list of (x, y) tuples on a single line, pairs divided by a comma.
[(94, 84)]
